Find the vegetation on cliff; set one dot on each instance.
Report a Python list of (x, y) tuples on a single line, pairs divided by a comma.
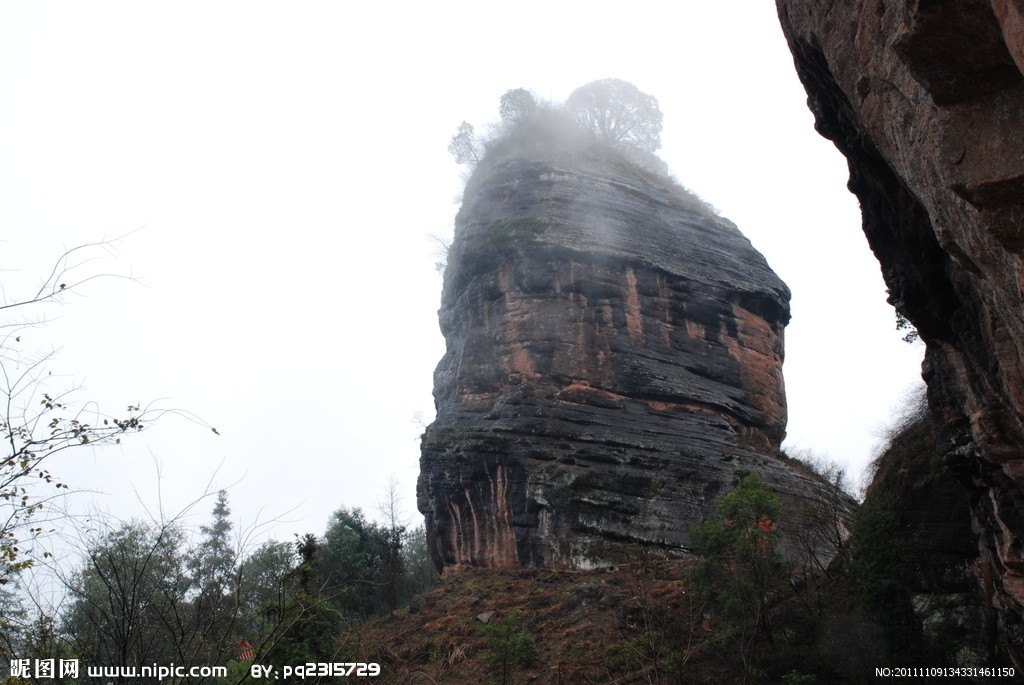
[(609, 122), (611, 118)]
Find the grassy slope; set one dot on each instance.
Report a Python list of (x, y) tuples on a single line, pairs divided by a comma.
[(633, 623)]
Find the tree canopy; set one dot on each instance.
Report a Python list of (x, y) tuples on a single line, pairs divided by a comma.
[(464, 145), (359, 563), (516, 104), (618, 112), (741, 567)]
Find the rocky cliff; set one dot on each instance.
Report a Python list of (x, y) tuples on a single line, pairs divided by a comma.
[(926, 100), (613, 364)]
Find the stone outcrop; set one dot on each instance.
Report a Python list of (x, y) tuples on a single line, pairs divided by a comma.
[(926, 100), (613, 364)]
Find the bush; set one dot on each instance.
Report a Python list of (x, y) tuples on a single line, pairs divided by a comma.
[(741, 570), (510, 643)]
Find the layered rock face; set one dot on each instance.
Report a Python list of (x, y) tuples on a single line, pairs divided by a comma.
[(614, 364), (926, 100)]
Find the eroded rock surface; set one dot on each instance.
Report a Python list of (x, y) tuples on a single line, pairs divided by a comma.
[(614, 364), (926, 100)]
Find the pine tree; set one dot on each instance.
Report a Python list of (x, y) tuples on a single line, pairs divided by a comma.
[(212, 565)]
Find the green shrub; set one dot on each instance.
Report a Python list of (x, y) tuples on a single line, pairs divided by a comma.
[(741, 570), (510, 643)]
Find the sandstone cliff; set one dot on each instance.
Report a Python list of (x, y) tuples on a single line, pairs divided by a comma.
[(613, 364), (926, 100)]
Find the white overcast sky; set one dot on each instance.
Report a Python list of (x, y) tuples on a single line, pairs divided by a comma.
[(281, 168)]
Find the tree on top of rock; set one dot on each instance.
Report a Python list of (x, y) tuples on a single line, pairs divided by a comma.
[(616, 111), (464, 146), (517, 104)]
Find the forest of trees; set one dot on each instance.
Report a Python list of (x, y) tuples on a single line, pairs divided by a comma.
[(149, 593)]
